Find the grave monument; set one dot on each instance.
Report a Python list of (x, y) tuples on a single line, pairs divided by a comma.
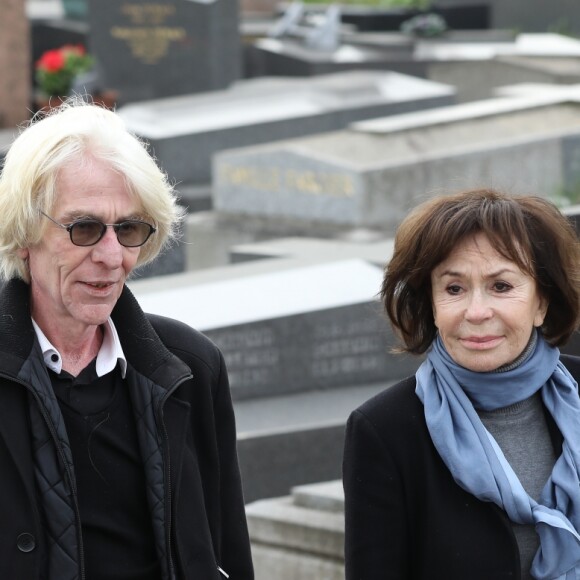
[(475, 62), (153, 48), (372, 174), (185, 132)]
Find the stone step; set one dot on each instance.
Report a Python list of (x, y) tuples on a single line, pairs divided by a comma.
[(279, 522), (326, 496), (299, 536)]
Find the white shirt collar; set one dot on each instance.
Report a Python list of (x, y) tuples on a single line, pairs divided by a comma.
[(109, 354)]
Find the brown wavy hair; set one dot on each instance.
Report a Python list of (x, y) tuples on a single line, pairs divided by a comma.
[(528, 230)]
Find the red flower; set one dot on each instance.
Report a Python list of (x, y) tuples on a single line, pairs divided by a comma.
[(51, 61), (57, 69)]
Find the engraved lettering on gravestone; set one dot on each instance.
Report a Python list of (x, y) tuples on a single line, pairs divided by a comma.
[(154, 14), (347, 346), (333, 367), (319, 183), (253, 177), (247, 338), (147, 34), (268, 357), (366, 325), (269, 179), (148, 45)]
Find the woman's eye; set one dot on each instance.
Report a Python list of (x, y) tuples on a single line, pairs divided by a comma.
[(501, 287), (454, 289)]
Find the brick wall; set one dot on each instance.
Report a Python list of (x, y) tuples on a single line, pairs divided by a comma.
[(14, 63)]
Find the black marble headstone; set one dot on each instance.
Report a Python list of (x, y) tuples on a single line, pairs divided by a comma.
[(159, 48), (337, 347)]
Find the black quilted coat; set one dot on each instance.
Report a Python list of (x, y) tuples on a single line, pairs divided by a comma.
[(179, 390)]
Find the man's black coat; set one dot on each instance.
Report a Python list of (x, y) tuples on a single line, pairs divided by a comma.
[(207, 525)]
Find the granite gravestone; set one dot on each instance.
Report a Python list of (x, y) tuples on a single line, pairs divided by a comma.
[(291, 57), (157, 48), (185, 132), (474, 62), (372, 174), (294, 327)]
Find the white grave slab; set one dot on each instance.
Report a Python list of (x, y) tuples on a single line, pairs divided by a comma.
[(288, 325), (186, 131), (231, 302)]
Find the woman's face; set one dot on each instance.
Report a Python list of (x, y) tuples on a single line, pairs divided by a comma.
[(485, 307)]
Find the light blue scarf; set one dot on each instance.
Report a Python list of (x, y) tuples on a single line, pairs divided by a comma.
[(449, 393)]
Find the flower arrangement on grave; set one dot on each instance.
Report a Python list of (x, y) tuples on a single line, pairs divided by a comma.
[(57, 69), (425, 26)]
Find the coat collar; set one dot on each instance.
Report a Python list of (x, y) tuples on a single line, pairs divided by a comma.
[(16, 332), (143, 349)]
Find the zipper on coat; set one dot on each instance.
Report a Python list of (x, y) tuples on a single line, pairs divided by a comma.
[(69, 474), (223, 572), (165, 450)]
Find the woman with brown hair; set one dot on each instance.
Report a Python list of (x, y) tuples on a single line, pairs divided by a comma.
[(470, 469)]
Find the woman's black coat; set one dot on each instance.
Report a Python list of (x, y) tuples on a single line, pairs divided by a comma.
[(406, 518)]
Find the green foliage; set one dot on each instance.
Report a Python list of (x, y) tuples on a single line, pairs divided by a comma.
[(566, 196), (56, 69)]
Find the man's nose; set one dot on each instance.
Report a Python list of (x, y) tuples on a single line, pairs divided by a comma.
[(108, 249)]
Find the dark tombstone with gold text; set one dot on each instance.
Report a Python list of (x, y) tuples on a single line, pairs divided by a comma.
[(152, 49)]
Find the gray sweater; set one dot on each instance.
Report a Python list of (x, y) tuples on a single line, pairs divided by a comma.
[(522, 433)]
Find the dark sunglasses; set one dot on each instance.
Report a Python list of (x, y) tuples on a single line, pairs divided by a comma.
[(89, 231)]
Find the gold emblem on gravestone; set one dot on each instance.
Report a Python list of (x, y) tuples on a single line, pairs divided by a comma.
[(147, 33)]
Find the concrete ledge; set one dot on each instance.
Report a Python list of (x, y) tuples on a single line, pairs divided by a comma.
[(279, 522), (327, 496), (291, 541), (281, 564)]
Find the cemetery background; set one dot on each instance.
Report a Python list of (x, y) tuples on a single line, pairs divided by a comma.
[(298, 137)]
